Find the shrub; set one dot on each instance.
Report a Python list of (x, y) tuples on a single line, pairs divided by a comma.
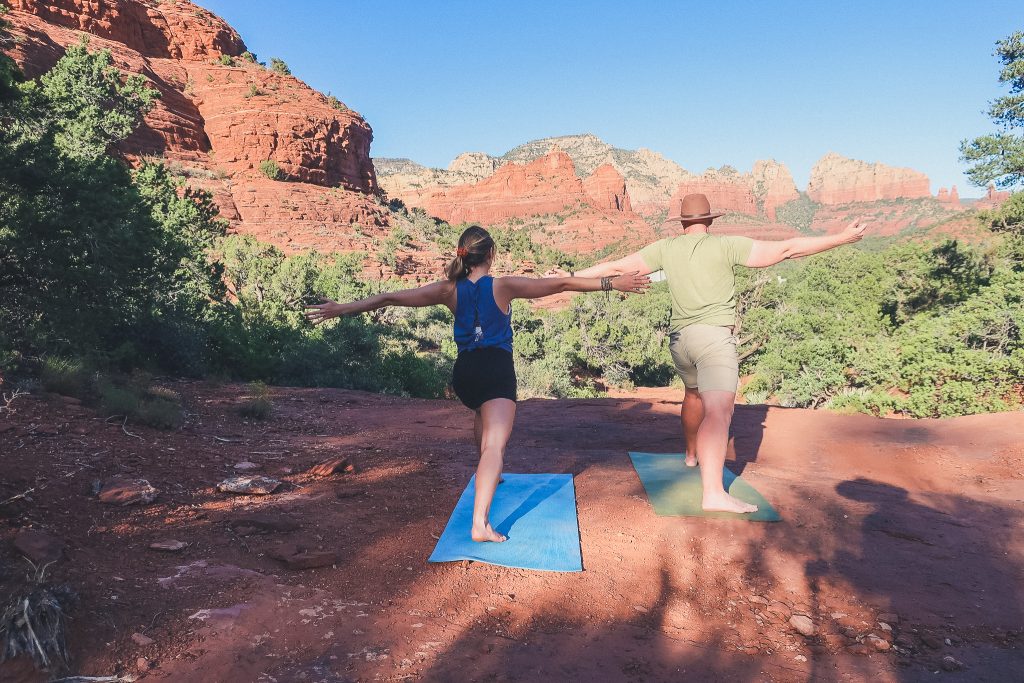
[(253, 91), (136, 401), (65, 376), (258, 406), (227, 60), (335, 103), (269, 168), (799, 212), (278, 66), (248, 56)]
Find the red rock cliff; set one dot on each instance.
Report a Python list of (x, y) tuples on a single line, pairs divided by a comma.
[(218, 122), (838, 180), (174, 30), (592, 212), (606, 189), (758, 193)]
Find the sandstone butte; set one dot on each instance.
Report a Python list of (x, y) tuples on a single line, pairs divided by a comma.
[(217, 123), (838, 180), (993, 198), (586, 213), (950, 197), (761, 192)]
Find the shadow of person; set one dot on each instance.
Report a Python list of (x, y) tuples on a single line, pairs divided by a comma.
[(538, 496), (948, 570), (745, 436)]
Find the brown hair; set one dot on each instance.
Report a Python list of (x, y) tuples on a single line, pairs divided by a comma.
[(474, 248)]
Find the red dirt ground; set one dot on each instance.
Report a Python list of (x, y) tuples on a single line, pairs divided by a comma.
[(917, 518)]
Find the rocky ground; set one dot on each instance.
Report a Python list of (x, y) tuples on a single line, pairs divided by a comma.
[(899, 557)]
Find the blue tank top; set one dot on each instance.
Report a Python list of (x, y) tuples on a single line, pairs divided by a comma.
[(479, 323)]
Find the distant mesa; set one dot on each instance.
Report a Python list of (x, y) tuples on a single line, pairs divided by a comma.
[(758, 193), (221, 117), (547, 185), (840, 189), (836, 179)]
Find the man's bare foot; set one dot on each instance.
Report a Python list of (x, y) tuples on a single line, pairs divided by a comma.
[(485, 534), (723, 502), (691, 460)]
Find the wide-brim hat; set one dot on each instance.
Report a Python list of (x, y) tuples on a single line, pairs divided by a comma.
[(693, 208)]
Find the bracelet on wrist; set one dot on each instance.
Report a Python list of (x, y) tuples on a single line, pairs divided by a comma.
[(606, 284)]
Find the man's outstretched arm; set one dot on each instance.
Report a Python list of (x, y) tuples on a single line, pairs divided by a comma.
[(764, 254), (634, 263)]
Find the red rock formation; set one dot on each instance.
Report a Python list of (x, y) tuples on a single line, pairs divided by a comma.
[(948, 198), (606, 189), (547, 185), (759, 193), (589, 213), (838, 180), (731, 196), (993, 198), (252, 115), (773, 185), (172, 29), (220, 122)]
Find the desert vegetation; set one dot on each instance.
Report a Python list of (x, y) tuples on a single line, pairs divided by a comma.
[(109, 271)]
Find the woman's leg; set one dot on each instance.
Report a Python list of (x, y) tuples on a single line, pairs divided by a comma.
[(478, 432), (497, 417)]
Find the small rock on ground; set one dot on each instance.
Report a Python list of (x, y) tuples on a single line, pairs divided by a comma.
[(951, 663), (170, 546), (327, 468), (142, 640), (803, 625), (253, 486), (297, 558), (127, 492)]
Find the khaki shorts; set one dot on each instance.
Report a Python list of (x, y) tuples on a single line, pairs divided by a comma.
[(705, 357)]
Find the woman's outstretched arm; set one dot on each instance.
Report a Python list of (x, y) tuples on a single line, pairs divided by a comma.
[(436, 293), (509, 288)]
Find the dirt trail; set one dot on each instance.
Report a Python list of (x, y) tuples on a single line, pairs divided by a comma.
[(919, 519)]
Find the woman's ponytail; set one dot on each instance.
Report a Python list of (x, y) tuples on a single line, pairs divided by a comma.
[(475, 247)]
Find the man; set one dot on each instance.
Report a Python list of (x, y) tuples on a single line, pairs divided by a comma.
[(699, 269)]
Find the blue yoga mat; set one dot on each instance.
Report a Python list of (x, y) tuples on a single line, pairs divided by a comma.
[(675, 489), (537, 512)]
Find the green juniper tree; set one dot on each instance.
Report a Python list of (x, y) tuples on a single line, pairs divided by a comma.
[(999, 157)]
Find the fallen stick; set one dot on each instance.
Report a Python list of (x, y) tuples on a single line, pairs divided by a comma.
[(96, 679), (134, 436)]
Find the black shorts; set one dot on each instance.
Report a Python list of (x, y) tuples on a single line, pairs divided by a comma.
[(484, 374)]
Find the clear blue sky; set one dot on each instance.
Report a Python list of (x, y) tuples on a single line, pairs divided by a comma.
[(704, 83)]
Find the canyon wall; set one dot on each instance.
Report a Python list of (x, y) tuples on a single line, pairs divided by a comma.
[(221, 115)]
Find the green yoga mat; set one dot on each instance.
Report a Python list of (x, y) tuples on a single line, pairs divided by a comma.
[(674, 489)]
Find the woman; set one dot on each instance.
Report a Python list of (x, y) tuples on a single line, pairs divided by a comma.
[(484, 377)]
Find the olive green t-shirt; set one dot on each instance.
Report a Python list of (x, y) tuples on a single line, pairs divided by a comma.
[(699, 270)]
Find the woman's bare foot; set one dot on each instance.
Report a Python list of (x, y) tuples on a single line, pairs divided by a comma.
[(485, 534), (691, 460), (723, 502)]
